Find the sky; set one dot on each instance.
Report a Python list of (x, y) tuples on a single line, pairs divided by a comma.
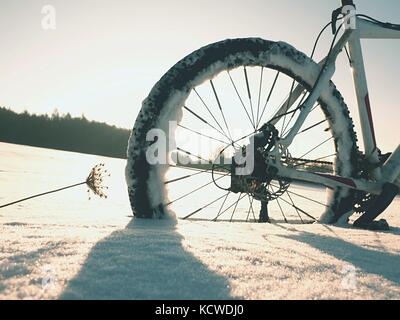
[(103, 57)]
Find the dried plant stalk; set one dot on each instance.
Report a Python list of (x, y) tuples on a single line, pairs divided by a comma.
[(94, 182)]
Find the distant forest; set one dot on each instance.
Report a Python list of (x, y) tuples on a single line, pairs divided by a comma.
[(63, 132)]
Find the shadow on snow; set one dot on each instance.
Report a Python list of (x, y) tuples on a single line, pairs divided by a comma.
[(380, 263), (145, 260)]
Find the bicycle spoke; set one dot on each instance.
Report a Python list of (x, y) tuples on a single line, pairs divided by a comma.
[(223, 203), (304, 197), (251, 199), (288, 106), (192, 169), (198, 210), (220, 108), (284, 217), (297, 211), (215, 219), (248, 93), (203, 135), (252, 210), (234, 209), (259, 93), (294, 113), (309, 161), (315, 107), (188, 176), (313, 126), (302, 211), (195, 190), (193, 155), (212, 115), (205, 121), (241, 101), (322, 143), (184, 177), (277, 200), (268, 98), (202, 159)]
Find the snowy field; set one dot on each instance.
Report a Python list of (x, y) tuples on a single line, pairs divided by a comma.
[(66, 246)]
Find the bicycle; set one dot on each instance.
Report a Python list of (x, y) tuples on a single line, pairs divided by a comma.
[(357, 183)]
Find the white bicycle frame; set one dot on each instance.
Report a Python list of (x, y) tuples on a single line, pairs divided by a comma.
[(390, 171)]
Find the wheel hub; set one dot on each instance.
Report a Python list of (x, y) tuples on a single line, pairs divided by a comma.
[(263, 183)]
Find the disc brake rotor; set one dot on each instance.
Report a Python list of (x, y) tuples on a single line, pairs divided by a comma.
[(263, 183)]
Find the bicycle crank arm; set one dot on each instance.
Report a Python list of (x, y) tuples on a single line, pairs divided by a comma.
[(389, 192)]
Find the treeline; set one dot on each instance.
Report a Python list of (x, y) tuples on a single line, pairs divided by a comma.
[(63, 132)]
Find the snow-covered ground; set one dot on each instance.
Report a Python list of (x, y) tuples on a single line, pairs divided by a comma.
[(64, 246)]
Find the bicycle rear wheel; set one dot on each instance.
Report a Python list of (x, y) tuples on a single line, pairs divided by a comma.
[(221, 93)]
